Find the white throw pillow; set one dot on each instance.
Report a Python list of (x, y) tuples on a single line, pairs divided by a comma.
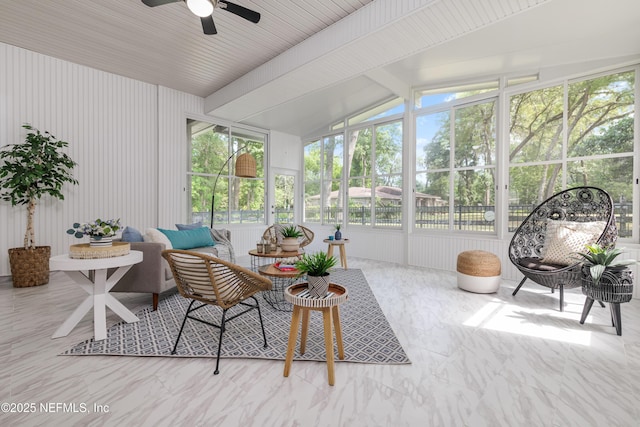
[(157, 236), (564, 238)]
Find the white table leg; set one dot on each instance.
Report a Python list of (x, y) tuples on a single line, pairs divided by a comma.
[(99, 305), (99, 298), (119, 309), (74, 319)]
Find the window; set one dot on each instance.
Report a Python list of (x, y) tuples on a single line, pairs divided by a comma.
[(594, 147), (455, 168), (213, 152), (323, 163), (431, 97), (390, 108), (375, 175), (373, 157)]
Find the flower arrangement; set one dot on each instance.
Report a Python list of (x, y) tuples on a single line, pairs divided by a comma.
[(96, 229)]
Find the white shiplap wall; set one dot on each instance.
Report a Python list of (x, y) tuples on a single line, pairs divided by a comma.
[(112, 126), (173, 109)]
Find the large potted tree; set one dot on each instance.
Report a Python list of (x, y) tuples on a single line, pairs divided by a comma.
[(30, 170)]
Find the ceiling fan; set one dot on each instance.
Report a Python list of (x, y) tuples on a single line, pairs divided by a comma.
[(204, 9)]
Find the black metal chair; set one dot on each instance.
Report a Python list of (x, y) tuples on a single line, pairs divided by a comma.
[(580, 204), (215, 282)]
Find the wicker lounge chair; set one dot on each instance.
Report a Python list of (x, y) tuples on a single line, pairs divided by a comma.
[(580, 204), (275, 232), (212, 281)]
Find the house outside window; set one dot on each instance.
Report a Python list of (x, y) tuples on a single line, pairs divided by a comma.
[(357, 181)]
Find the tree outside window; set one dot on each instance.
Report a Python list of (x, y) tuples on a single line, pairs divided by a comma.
[(595, 149), (238, 200), (455, 168)]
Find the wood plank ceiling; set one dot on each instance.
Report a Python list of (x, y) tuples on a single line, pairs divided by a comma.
[(165, 45), (308, 63)]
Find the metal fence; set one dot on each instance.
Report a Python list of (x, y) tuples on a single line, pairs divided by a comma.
[(470, 218)]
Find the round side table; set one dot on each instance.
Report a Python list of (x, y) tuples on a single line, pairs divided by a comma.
[(259, 259), (281, 280), (303, 303), (343, 251)]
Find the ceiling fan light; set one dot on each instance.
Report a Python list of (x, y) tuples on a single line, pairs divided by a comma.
[(201, 8)]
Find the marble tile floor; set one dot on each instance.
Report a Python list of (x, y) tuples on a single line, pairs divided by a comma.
[(478, 360)]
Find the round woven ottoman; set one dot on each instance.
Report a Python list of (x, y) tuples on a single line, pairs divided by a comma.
[(478, 271)]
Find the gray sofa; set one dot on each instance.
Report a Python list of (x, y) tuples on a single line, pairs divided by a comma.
[(153, 274)]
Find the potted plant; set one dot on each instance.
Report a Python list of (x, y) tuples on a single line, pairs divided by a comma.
[(338, 233), (316, 266), (290, 235), (605, 278), (100, 231), (30, 170)]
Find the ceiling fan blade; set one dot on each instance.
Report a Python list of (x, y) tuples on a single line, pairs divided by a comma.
[(208, 26), (248, 14), (154, 3)]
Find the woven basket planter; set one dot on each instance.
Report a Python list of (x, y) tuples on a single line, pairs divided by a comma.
[(290, 244), (30, 267), (615, 286)]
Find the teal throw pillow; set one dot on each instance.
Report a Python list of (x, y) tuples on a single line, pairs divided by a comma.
[(189, 239)]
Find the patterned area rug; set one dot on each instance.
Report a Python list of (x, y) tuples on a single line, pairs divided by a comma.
[(367, 336)]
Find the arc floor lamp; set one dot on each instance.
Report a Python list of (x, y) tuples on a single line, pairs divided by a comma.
[(245, 168)]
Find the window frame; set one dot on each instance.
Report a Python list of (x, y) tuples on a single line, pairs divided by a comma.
[(564, 160), (234, 131), (450, 107)]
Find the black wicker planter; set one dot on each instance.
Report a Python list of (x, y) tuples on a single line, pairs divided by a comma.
[(615, 287)]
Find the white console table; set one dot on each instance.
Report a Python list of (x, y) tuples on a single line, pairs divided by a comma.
[(97, 285)]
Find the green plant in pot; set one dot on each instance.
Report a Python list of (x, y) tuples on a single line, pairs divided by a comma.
[(31, 170), (599, 259), (604, 277), (316, 266), (290, 236)]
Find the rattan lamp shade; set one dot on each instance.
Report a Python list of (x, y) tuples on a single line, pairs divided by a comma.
[(246, 166)]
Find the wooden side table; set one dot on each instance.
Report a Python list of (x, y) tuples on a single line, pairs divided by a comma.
[(281, 280), (303, 303), (343, 252), (259, 259)]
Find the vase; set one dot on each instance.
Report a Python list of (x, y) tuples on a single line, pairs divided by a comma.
[(318, 285), (102, 242), (338, 235), (290, 244)]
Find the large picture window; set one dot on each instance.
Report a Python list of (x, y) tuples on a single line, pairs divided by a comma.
[(588, 142), (455, 168), (213, 151), (375, 175), (323, 163), (551, 137), (369, 191)]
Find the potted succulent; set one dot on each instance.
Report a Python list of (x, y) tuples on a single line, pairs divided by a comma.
[(338, 233), (604, 277), (290, 235), (32, 169), (316, 266)]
